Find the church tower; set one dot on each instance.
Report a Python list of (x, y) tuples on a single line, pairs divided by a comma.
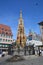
[(21, 38)]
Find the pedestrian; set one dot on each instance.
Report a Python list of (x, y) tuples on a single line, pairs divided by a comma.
[(39, 52)]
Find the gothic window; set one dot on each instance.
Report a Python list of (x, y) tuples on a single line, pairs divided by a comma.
[(17, 37), (21, 30)]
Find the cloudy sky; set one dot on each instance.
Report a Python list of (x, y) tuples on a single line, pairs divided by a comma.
[(32, 11)]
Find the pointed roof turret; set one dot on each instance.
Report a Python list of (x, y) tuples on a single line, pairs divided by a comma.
[(20, 13)]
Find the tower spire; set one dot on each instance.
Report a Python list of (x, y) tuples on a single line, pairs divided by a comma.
[(20, 13), (21, 38)]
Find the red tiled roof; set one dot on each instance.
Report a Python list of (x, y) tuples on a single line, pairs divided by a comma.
[(5, 29)]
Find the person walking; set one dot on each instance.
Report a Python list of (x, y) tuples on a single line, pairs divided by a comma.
[(39, 51)]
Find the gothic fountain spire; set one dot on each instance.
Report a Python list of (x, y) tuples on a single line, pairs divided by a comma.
[(21, 38), (20, 13)]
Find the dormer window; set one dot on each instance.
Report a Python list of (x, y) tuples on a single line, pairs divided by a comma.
[(2, 28)]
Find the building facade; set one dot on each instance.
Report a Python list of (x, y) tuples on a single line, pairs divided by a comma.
[(41, 30), (33, 42), (34, 38), (5, 36)]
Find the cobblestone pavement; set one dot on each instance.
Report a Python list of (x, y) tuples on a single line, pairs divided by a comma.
[(31, 60)]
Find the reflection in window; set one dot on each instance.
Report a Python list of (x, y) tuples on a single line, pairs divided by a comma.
[(3, 45), (0, 34), (0, 45), (6, 46), (0, 39), (3, 39), (3, 35), (6, 40)]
